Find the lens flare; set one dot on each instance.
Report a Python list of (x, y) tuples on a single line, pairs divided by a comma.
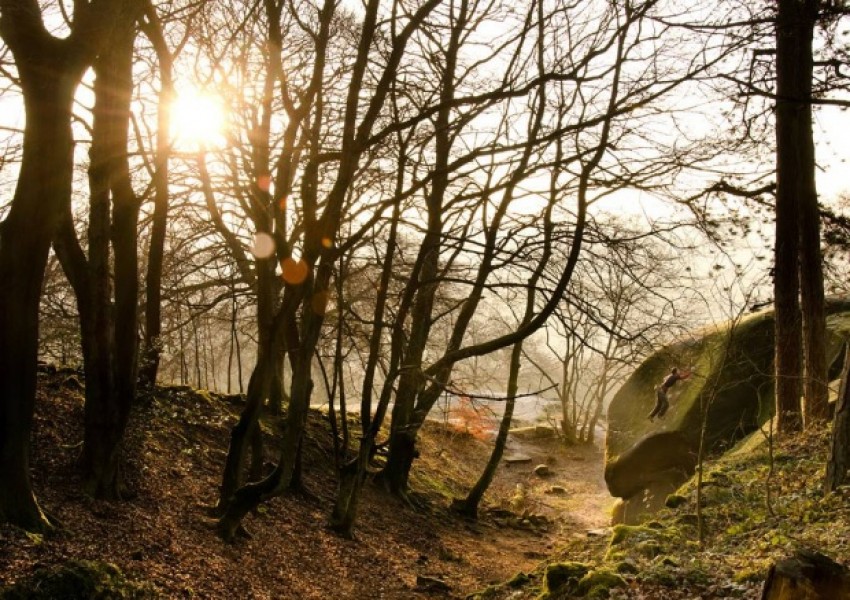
[(263, 245), (294, 272), (264, 182)]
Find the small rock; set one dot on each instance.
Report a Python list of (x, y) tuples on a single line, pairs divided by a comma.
[(542, 471), (517, 459), (431, 584), (556, 490)]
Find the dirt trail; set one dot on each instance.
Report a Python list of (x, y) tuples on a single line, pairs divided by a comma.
[(573, 499)]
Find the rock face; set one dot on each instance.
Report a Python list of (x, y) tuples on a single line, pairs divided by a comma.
[(732, 386)]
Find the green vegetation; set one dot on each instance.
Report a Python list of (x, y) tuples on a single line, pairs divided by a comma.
[(79, 580), (749, 523)]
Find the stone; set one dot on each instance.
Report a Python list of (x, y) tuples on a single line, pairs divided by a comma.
[(425, 583), (561, 575), (516, 459), (542, 471), (556, 490)]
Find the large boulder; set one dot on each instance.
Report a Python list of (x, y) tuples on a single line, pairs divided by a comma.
[(732, 386)]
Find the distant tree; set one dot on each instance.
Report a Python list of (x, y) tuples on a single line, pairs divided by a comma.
[(153, 28), (578, 119)]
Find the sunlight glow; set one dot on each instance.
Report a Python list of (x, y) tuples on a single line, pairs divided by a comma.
[(197, 120)]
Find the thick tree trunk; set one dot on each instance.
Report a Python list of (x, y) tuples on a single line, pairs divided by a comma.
[(802, 17), (43, 189), (115, 340), (839, 451), (806, 575), (794, 173)]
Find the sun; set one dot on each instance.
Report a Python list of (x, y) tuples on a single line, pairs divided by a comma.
[(197, 120)]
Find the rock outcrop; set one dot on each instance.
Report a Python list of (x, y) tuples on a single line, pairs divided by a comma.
[(729, 395)]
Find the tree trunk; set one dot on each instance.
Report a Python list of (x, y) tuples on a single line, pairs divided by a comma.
[(815, 367), (806, 576), (43, 189), (839, 451), (247, 497), (468, 507), (113, 331), (352, 475), (150, 356), (793, 120), (258, 386)]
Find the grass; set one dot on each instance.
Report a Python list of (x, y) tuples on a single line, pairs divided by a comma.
[(744, 535)]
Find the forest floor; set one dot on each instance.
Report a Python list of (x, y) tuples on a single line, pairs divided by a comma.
[(176, 448)]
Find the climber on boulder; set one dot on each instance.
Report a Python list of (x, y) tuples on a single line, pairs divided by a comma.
[(661, 401)]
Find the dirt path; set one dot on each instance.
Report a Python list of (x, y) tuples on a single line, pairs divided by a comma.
[(572, 498)]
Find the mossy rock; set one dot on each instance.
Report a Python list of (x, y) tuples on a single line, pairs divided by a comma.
[(564, 575), (627, 567), (636, 533), (641, 541), (648, 548), (675, 501), (488, 593), (734, 379), (599, 583), (79, 580), (519, 580)]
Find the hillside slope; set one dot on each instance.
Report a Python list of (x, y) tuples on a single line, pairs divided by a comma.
[(162, 539), (755, 509)]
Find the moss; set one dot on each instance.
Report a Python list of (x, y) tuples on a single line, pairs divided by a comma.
[(648, 548), (519, 580), (751, 575), (627, 567), (566, 574), (622, 533), (675, 501), (598, 583), (204, 395), (79, 580), (668, 561)]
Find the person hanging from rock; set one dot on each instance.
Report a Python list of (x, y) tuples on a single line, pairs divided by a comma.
[(661, 401)]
